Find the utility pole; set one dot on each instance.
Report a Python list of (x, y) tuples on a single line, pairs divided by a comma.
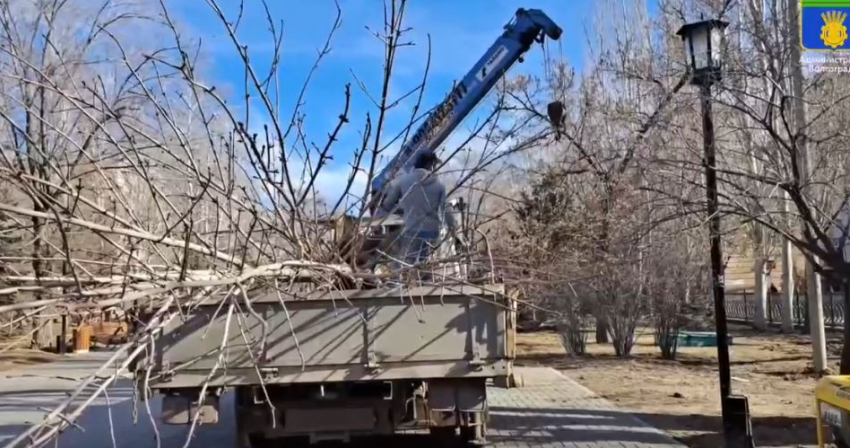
[(814, 294)]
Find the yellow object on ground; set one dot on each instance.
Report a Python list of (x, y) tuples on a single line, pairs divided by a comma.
[(832, 398), (82, 339)]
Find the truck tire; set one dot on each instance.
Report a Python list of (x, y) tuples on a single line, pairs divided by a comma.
[(444, 436), (243, 438), (246, 440)]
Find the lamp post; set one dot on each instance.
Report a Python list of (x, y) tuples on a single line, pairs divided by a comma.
[(703, 45)]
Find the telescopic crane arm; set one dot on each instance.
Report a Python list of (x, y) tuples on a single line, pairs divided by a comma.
[(527, 27)]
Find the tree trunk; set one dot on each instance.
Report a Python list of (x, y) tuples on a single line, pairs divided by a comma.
[(813, 290), (601, 328), (760, 318), (814, 296), (38, 271)]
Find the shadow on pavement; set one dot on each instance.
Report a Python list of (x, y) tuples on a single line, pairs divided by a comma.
[(107, 420), (535, 426), (768, 431), (8, 432), (695, 431)]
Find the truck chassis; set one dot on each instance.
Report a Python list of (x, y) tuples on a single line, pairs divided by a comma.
[(337, 364)]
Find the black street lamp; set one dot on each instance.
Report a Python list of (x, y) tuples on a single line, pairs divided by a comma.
[(703, 46)]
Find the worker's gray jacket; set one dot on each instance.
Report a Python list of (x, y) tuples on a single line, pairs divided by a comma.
[(422, 200)]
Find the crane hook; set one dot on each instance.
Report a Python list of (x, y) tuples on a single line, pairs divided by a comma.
[(555, 110)]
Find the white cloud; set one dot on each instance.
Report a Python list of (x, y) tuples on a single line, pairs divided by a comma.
[(331, 184)]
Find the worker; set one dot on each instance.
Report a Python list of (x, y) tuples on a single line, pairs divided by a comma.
[(422, 200)]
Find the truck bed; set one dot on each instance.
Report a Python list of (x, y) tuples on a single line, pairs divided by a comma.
[(356, 335)]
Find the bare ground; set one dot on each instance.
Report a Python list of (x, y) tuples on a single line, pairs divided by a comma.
[(682, 397), (15, 358)]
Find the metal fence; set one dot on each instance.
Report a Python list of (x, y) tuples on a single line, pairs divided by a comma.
[(741, 307)]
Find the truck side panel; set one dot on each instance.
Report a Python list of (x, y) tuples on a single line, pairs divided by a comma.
[(357, 338)]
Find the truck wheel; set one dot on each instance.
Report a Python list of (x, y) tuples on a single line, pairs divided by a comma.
[(242, 440), (445, 436), (245, 440)]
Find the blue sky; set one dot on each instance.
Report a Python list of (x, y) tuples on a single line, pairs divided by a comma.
[(460, 31)]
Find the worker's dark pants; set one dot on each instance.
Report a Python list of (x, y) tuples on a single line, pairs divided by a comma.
[(414, 249)]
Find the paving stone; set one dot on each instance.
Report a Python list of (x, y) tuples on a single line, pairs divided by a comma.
[(553, 411)]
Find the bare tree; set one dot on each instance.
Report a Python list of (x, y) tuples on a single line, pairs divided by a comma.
[(136, 185), (765, 184), (608, 132), (676, 278)]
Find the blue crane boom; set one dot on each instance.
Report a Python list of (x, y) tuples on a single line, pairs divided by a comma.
[(529, 26)]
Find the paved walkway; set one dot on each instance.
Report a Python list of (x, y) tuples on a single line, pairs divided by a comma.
[(550, 411), (555, 411)]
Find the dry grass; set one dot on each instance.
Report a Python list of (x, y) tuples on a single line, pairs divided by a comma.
[(682, 397)]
